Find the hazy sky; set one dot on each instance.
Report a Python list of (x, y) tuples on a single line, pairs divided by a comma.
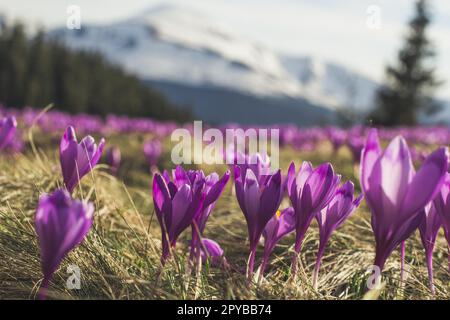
[(327, 29)]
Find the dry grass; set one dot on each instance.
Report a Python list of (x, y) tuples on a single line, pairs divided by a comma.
[(120, 257)]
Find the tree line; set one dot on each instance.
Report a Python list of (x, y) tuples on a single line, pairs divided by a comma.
[(38, 71)]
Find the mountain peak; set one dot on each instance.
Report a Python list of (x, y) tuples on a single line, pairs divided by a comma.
[(180, 44), (187, 27)]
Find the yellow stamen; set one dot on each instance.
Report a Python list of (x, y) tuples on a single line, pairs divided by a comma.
[(278, 213)]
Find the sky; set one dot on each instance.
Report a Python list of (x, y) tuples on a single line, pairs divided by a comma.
[(364, 35)]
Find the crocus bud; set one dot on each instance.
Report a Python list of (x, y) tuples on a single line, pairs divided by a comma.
[(429, 228), (210, 249), (113, 157), (152, 151), (8, 127), (61, 223), (258, 202), (78, 159), (337, 137), (212, 190), (356, 144), (281, 224), (330, 218), (310, 191)]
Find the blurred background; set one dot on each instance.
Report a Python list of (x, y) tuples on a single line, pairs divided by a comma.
[(308, 63)]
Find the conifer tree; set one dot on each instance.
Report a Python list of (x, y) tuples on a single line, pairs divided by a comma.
[(407, 94)]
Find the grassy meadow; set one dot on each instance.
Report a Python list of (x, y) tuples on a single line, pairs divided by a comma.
[(120, 258)]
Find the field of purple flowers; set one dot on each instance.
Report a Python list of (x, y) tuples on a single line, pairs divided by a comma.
[(350, 214)]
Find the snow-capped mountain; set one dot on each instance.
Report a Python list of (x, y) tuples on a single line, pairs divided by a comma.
[(177, 45), (337, 85)]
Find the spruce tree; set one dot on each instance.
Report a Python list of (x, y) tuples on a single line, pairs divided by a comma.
[(408, 92)]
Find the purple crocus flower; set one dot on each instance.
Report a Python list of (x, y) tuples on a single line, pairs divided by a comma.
[(429, 228), (212, 189), (356, 144), (16, 144), (442, 206), (281, 224), (8, 127), (337, 137), (332, 217), (112, 158), (309, 191), (78, 159), (258, 202), (210, 249), (395, 193), (61, 223), (176, 203), (152, 151)]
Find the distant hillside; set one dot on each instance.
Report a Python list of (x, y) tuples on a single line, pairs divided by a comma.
[(39, 71), (219, 105)]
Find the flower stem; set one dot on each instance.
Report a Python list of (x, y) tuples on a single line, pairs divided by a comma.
[(315, 280), (380, 261), (42, 295), (251, 264), (448, 257), (429, 255), (402, 262), (295, 261), (263, 266)]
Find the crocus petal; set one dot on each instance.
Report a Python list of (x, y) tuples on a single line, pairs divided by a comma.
[(429, 227), (270, 199), (397, 172), (442, 205), (216, 189), (213, 248), (180, 205), (277, 228), (319, 187), (252, 201), (305, 171), (427, 182), (7, 130), (369, 156), (160, 192), (68, 154), (239, 187), (180, 176), (286, 222), (290, 178)]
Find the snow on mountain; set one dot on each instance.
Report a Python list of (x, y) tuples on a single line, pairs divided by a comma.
[(342, 86), (177, 44)]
